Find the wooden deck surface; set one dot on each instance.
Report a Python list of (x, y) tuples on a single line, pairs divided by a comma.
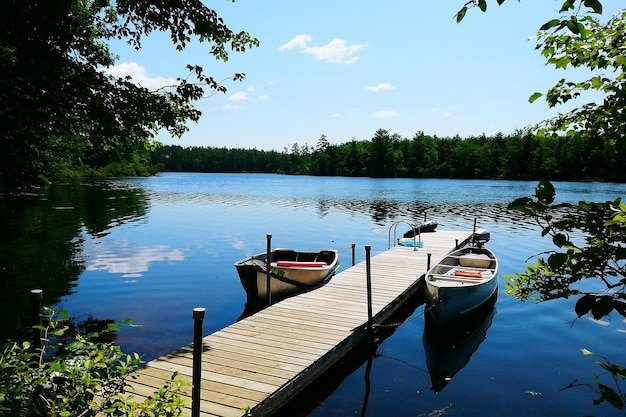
[(266, 359)]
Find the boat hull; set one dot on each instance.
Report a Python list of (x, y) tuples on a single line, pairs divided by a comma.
[(453, 289), (291, 272)]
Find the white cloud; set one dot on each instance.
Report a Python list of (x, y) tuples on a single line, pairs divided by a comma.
[(446, 115), (251, 89), (384, 114), (139, 75), (334, 115), (231, 107), (337, 51), (380, 87), (299, 41), (238, 96), (264, 97)]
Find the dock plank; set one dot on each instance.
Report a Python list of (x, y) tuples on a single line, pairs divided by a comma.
[(266, 359)]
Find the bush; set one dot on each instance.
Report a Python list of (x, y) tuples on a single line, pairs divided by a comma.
[(77, 376)]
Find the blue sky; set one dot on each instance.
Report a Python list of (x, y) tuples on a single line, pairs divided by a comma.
[(347, 68)]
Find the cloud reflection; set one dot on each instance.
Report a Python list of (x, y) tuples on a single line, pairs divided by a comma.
[(129, 260)]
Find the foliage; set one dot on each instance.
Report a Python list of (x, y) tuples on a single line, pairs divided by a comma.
[(59, 107), (589, 238), (578, 39), (617, 374), (81, 378), (519, 156)]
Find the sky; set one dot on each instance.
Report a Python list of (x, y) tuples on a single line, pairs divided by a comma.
[(345, 69)]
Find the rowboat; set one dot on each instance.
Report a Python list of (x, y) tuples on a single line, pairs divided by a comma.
[(462, 281), (290, 272), (425, 227), (449, 349)]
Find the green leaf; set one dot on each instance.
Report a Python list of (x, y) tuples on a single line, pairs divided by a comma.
[(583, 306), (608, 394), (567, 5), (545, 192), (550, 24), (535, 96), (482, 4), (63, 315), (573, 27), (557, 260), (461, 14), (560, 239), (602, 307), (594, 5), (620, 307), (58, 332), (520, 204)]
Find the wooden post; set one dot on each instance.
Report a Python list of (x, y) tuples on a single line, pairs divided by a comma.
[(456, 243), (36, 296), (198, 317), (269, 269), (428, 262), (368, 269), (353, 254)]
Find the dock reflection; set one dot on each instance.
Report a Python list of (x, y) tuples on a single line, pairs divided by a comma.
[(362, 355), (449, 349)]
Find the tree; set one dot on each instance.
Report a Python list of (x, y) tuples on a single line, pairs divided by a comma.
[(59, 108), (578, 39)]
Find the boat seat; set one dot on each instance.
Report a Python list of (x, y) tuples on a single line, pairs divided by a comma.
[(301, 264)]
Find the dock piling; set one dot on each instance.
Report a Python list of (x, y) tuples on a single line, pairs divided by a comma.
[(36, 296), (198, 317), (368, 273), (269, 268), (353, 246)]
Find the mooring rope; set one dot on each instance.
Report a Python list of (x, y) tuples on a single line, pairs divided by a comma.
[(389, 325)]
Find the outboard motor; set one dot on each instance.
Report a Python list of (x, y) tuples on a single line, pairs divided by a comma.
[(480, 237)]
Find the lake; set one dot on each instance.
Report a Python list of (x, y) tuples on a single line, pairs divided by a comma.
[(152, 249)]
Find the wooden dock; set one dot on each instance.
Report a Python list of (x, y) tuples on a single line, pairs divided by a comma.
[(261, 362)]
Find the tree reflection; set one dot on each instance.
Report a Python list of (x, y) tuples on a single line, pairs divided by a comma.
[(41, 240)]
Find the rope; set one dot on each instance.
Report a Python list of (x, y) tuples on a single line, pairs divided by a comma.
[(389, 325)]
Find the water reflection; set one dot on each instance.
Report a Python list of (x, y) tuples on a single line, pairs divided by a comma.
[(128, 259), (449, 349), (312, 398), (43, 239)]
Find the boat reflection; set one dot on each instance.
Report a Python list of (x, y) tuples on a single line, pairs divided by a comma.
[(448, 349)]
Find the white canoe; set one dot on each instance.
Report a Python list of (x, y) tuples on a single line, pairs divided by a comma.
[(461, 282)]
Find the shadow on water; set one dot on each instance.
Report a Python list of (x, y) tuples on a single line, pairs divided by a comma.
[(449, 349), (363, 354), (42, 241)]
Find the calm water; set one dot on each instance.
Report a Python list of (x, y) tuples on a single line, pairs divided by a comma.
[(152, 249)]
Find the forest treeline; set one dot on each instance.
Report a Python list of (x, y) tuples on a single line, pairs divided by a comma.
[(518, 156)]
